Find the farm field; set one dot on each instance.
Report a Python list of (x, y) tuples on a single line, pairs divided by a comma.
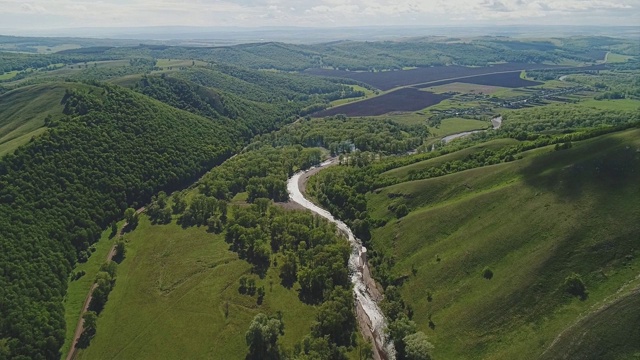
[(387, 80), (412, 99), (508, 80), (532, 222), (406, 99)]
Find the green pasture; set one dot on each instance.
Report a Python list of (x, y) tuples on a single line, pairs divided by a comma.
[(176, 296)]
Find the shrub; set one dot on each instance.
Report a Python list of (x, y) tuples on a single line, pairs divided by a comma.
[(487, 273), (401, 211), (574, 285)]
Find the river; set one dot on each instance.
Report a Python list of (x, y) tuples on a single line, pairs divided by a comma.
[(365, 293)]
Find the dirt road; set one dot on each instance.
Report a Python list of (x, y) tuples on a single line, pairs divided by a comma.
[(80, 326)]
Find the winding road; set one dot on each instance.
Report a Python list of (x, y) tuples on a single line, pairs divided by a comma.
[(370, 318)]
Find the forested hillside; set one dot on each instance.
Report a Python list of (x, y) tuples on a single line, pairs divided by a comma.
[(112, 149), (352, 55)]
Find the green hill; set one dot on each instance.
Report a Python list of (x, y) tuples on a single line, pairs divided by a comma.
[(113, 148), (532, 222), (246, 116), (23, 112)]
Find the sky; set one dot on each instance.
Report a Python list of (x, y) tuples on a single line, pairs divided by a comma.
[(53, 14)]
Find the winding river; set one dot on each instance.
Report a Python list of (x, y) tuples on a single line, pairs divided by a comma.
[(370, 317), (366, 295)]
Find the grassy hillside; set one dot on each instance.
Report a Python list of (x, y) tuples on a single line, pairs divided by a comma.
[(533, 222), (23, 111)]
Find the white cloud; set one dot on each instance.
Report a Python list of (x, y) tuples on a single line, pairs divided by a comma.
[(72, 13)]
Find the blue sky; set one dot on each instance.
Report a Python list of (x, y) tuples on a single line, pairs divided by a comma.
[(43, 14)]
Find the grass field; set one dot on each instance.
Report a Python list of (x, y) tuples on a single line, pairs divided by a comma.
[(8, 75), (617, 58), (22, 112), (533, 221), (617, 104), (457, 125), (170, 297), (464, 88), (78, 289), (57, 48)]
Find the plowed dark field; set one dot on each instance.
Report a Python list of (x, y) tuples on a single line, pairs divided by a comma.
[(508, 80), (406, 99), (388, 80)]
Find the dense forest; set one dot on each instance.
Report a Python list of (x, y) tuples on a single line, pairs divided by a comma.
[(343, 135)]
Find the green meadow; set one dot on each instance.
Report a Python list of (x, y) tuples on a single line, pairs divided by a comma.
[(176, 296)]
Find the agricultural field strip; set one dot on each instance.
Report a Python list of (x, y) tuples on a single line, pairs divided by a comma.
[(410, 98), (404, 99), (355, 108), (421, 85), (389, 80)]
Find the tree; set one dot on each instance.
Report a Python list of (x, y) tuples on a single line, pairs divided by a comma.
[(179, 203), (121, 250), (336, 319), (262, 337), (487, 273), (401, 211), (114, 230), (288, 270), (90, 320), (418, 346), (131, 217), (574, 285), (366, 351), (104, 285), (398, 330), (314, 348)]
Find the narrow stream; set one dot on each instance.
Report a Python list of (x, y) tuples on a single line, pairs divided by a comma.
[(358, 269)]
